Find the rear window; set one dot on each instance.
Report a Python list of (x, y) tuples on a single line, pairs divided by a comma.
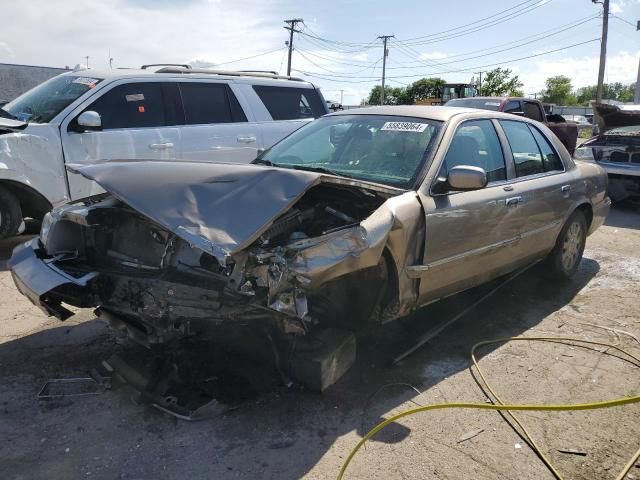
[(481, 103), (287, 103)]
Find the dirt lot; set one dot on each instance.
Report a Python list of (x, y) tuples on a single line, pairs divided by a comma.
[(285, 433)]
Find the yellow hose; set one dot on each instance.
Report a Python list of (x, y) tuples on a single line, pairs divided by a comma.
[(500, 406)]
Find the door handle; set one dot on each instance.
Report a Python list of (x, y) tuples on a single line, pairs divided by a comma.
[(565, 188), (513, 200), (242, 139), (160, 146)]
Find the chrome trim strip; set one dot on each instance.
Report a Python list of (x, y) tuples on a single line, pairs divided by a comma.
[(415, 271)]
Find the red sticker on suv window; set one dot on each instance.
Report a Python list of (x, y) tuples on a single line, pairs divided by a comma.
[(141, 108)]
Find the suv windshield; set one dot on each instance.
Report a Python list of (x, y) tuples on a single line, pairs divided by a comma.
[(378, 148), (42, 103)]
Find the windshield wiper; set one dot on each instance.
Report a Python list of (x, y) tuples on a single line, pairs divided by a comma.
[(316, 169), (261, 161)]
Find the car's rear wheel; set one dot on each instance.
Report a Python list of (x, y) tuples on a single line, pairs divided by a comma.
[(564, 259), (10, 214)]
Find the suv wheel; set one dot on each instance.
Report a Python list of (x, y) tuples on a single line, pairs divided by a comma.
[(10, 214), (566, 255)]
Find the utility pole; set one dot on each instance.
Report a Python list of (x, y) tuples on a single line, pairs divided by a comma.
[(603, 48), (480, 86), (87, 58), (342, 92), (292, 28), (385, 52), (110, 60)]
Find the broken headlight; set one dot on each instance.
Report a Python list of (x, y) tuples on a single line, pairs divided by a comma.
[(585, 154), (48, 222)]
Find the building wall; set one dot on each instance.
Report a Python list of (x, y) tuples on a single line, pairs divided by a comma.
[(17, 79)]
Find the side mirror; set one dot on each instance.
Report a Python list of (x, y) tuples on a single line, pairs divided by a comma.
[(89, 121), (466, 177)]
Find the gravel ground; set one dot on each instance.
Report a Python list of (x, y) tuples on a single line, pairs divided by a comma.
[(284, 433)]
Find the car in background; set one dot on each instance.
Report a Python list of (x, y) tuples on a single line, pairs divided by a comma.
[(525, 107), (358, 218), (158, 112), (616, 149), (583, 123)]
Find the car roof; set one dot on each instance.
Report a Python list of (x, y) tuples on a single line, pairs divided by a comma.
[(431, 112), (199, 74)]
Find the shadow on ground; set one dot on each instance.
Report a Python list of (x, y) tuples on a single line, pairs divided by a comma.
[(277, 432)]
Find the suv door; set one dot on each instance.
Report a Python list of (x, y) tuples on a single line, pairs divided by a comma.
[(138, 122), (469, 234), (541, 189), (533, 111), (215, 127)]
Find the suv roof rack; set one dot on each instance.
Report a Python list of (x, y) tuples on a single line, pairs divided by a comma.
[(231, 73), (183, 65)]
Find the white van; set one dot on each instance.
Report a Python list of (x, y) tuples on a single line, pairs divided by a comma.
[(169, 113)]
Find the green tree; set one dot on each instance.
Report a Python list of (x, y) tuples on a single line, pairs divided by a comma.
[(392, 95), (500, 81), (614, 91), (558, 90), (423, 89)]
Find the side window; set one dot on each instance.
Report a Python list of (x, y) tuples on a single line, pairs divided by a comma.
[(207, 103), (289, 103), (526, 154), (532, 111), (476, 143), (512, 106), (550, 159), (134, 105)]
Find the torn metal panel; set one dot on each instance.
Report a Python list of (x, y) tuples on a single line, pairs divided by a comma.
[(613, 116)]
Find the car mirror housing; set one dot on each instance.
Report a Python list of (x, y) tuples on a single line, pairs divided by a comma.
[(466, 177), (89, 121)]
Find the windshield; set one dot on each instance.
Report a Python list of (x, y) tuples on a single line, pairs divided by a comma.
[(482, 103), (632, 130), (42, 103), (378, 148)]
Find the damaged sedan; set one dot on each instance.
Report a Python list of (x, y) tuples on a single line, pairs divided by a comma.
[(358, 218)]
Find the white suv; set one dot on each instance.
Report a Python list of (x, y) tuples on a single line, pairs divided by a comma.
[(169, 113)]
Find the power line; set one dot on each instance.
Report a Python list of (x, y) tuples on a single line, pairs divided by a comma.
[(471, 23), (252, 56), (492, 23), (469, 69), (623, 20), (369, 67), (489, 53)]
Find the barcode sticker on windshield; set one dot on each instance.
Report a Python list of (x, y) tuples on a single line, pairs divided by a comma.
[(85, 80), (404, 126)]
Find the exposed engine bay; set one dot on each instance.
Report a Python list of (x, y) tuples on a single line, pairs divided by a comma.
[(156, 286)]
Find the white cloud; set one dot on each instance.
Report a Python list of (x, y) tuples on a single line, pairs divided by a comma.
[(6, 49), (583, 71), (433, 56)]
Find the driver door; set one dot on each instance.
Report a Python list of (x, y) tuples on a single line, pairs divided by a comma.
[(470, 235)]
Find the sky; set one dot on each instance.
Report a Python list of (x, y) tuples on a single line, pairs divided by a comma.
[(337, 48)]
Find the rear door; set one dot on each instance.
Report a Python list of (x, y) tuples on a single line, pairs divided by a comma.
[(541, 190), (138, 122), (469, 235), (216, 127), (289, 107)]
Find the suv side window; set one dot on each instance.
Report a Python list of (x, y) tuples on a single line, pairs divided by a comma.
[(288, 103), (476, 143), (133, 105), (526, 154), (512, 106), (206, 103), (532, 111), (550, 159)]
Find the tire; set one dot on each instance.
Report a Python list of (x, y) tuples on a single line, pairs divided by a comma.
[(10, 214), (564, 259)]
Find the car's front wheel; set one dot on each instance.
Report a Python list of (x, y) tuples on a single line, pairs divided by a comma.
[(565, 257), (10, 214)]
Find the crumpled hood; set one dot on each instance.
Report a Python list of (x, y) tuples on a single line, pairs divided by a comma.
[(219, 208), (613, 116), (10, 125)]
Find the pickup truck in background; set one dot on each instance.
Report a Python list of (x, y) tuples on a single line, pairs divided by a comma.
[(567, 132)]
